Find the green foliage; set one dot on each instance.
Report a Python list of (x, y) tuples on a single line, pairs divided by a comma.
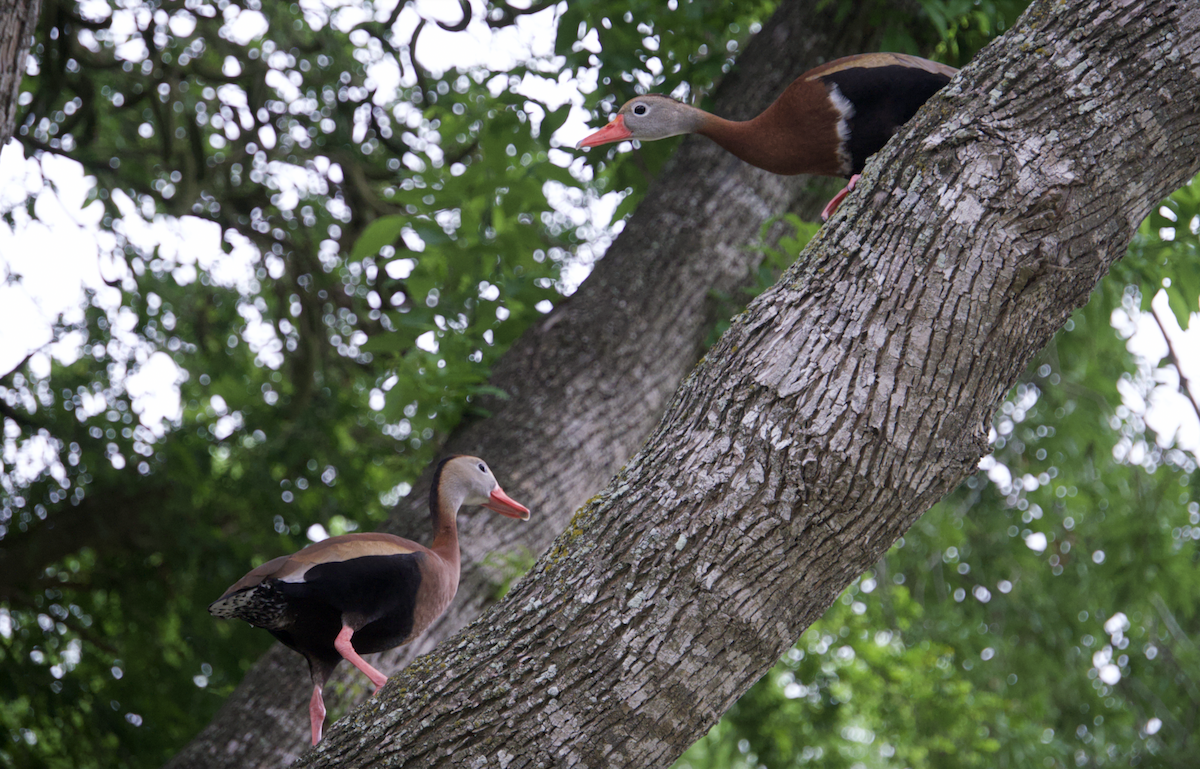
[(383, 246), (846, 679), (775, 259), (1173, 262), (965, 26), (509, 567), (950, 31)]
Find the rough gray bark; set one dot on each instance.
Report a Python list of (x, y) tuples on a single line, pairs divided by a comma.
[(587, 384), (838, 408), (18, 19)]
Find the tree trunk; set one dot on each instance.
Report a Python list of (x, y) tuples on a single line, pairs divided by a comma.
[(588, 383), (18, 19), (842, 405)]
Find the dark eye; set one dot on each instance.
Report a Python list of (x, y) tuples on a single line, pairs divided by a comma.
[(482, 469), (640, 109)]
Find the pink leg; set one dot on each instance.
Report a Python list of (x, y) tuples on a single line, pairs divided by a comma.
[(342, 644), (316, 714), (832, 206)]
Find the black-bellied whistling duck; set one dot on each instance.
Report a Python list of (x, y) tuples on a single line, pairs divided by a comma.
[(827, 122), (362, 593)]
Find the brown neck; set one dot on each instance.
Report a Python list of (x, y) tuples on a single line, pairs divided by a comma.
[(445, 528), (734, 136), (779, 140)]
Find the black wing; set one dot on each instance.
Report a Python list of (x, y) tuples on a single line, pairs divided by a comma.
[(884, 98)]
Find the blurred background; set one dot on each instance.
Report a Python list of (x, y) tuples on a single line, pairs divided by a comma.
[(258, 258)]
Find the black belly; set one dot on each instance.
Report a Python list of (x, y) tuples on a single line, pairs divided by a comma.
[(884, 99), (380, 589)]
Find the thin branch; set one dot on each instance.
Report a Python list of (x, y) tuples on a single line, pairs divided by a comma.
[(79, 21), (462, 153), (397, 148), (418, 70), (395, 15), (466, 18), (17, 367), (19, 417), (1180, 636), (1173, 358)]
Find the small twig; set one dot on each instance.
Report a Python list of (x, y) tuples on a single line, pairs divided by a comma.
[(1182, 662), (458, 156), (461, 25), (17, 416), (418, 71), (3, 407), (1173, 358), (395, 147), (395, 15)]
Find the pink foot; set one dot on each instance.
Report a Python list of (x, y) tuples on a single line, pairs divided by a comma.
[(342, 644), (832, 206), (316, 714)]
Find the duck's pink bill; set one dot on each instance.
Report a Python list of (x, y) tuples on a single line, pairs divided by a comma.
[(613, 132), (506, 505)]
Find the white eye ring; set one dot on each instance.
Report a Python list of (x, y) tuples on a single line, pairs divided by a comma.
[(639, 109), (482, 469)]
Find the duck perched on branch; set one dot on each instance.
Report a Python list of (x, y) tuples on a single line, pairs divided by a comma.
[(362, 593)]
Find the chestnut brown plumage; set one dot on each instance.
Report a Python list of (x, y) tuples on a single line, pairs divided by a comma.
[(827, 122), (363, 593)]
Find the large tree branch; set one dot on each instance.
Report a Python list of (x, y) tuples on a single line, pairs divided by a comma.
[(589, 382), (18, 19), (843, 404)]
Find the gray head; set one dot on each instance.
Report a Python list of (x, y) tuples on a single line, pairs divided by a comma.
[(464, 480), (648, 118)]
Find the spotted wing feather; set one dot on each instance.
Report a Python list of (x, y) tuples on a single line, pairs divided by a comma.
[(262, 605), (259, 599)]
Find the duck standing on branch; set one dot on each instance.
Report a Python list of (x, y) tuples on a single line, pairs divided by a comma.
[(362, 593), (827, 122)]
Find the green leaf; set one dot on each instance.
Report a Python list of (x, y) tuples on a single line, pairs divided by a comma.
[(554, 120), (384, 231)]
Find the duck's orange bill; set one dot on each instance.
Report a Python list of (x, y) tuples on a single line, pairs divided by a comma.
[(506, 505), (615, 131)]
